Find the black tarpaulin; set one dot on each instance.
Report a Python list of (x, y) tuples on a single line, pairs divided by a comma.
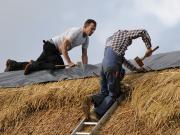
[(17, 78)]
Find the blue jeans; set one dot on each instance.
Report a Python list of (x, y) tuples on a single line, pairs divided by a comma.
[(111, 75), (109, 91)]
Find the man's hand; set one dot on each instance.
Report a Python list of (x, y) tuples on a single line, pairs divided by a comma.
[(141, 70), (148, 52), (71, 64)]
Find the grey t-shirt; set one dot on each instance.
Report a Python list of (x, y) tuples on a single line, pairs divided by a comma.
[(75, 36)]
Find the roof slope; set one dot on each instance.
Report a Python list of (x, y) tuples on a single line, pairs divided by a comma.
[(18, 79), (55, 108)]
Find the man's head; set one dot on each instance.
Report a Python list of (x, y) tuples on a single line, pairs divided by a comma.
[(89, 27)]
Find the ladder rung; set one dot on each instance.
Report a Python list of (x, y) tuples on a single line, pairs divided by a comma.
[(90, 123), (97, 124), (82, 133)]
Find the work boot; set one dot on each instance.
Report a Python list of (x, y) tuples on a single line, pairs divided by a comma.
[(10, 65), (31, 61), (86, 106), (94, 116), (7, 66), (30, 68), (37, 66), (23, 65)]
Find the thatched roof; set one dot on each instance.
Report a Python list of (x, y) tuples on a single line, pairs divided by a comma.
[(153, 106)]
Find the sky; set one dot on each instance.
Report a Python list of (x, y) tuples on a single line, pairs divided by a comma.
[(25, 23)]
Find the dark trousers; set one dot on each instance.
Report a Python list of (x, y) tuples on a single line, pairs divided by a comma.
[(17, 65), (109, 91), (49, 57)]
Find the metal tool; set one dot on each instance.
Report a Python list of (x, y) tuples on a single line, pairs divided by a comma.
[(139, 61)]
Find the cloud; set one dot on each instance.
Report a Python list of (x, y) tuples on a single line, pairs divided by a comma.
[(169, 39), (24, 24), (167, 11)]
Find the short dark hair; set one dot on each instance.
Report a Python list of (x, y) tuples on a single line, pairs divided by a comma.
[(89, 21)]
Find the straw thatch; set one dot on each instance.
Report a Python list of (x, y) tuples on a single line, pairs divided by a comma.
[(62, 100), (55, 108), (153, 107)]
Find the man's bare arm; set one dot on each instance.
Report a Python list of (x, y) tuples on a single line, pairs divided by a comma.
[(84, 56), (64, 49)]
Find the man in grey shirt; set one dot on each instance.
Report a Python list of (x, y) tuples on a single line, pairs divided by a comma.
[(57, 46)]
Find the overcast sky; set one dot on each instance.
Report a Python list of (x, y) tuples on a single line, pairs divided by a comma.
[(25, 23)]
